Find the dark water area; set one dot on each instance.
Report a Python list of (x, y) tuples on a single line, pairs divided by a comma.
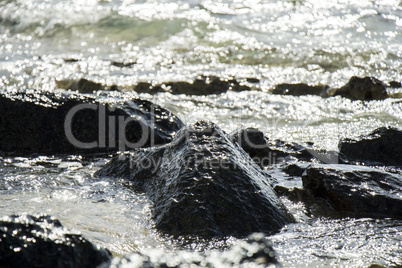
[(49, 45)]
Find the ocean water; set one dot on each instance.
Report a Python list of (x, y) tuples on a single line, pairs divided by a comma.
[(43, 42)]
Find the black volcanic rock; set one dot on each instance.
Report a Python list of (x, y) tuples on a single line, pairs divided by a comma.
[(256, 251), (382, 146), (59, 123), (202, 184), (353, 191), (41, 241), (367, 88)]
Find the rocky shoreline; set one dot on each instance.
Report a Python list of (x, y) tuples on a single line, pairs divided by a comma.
[(201, 181), (358, 88)]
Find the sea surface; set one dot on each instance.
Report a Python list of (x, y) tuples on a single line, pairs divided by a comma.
[(43, 43)]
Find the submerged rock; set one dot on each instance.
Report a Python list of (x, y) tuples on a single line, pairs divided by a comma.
[(299, 89), (367, 88), (257, 251), (202, 86), (382, 146), (41, 241), (58, 123), (202, 184), (353, 191)]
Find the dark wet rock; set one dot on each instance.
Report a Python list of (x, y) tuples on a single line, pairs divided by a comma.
[(294, 170), (395, 84), (252, 80), (202, 184), (202, 86), (367, 88), (256, 145), (266, 152), (41, 241), (299, 89), (122, 64), (257, 251), (71, 60), (383, 146), (34, 122), (354, 191), (83, 85)]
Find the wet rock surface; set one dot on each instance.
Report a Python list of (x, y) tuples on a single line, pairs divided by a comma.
[(41, 241), (202, 184), (382, 146), (257, 251), (203, 86), (266, 152), (351, 191), (34, 122), (299, 89), (395, 84), (367, 88), (83, 85)]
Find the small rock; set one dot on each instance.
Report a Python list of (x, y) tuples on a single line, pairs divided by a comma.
[(294, 170), (252, 80), (83, 86), (395, 84), (367, 88), (266, 152), (71, 60), (203, 86), (299, 89), (122, 64)]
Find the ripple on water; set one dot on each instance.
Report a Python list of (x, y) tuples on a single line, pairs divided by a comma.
[(346, 242)]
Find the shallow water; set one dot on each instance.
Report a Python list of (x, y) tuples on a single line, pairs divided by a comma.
[(46, 41)]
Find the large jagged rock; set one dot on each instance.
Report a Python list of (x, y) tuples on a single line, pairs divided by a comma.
[(367, 88), (352, 191), (266, 152), (256, 252), (202, 184), (41, 241), (58, 123), (382, 146)]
